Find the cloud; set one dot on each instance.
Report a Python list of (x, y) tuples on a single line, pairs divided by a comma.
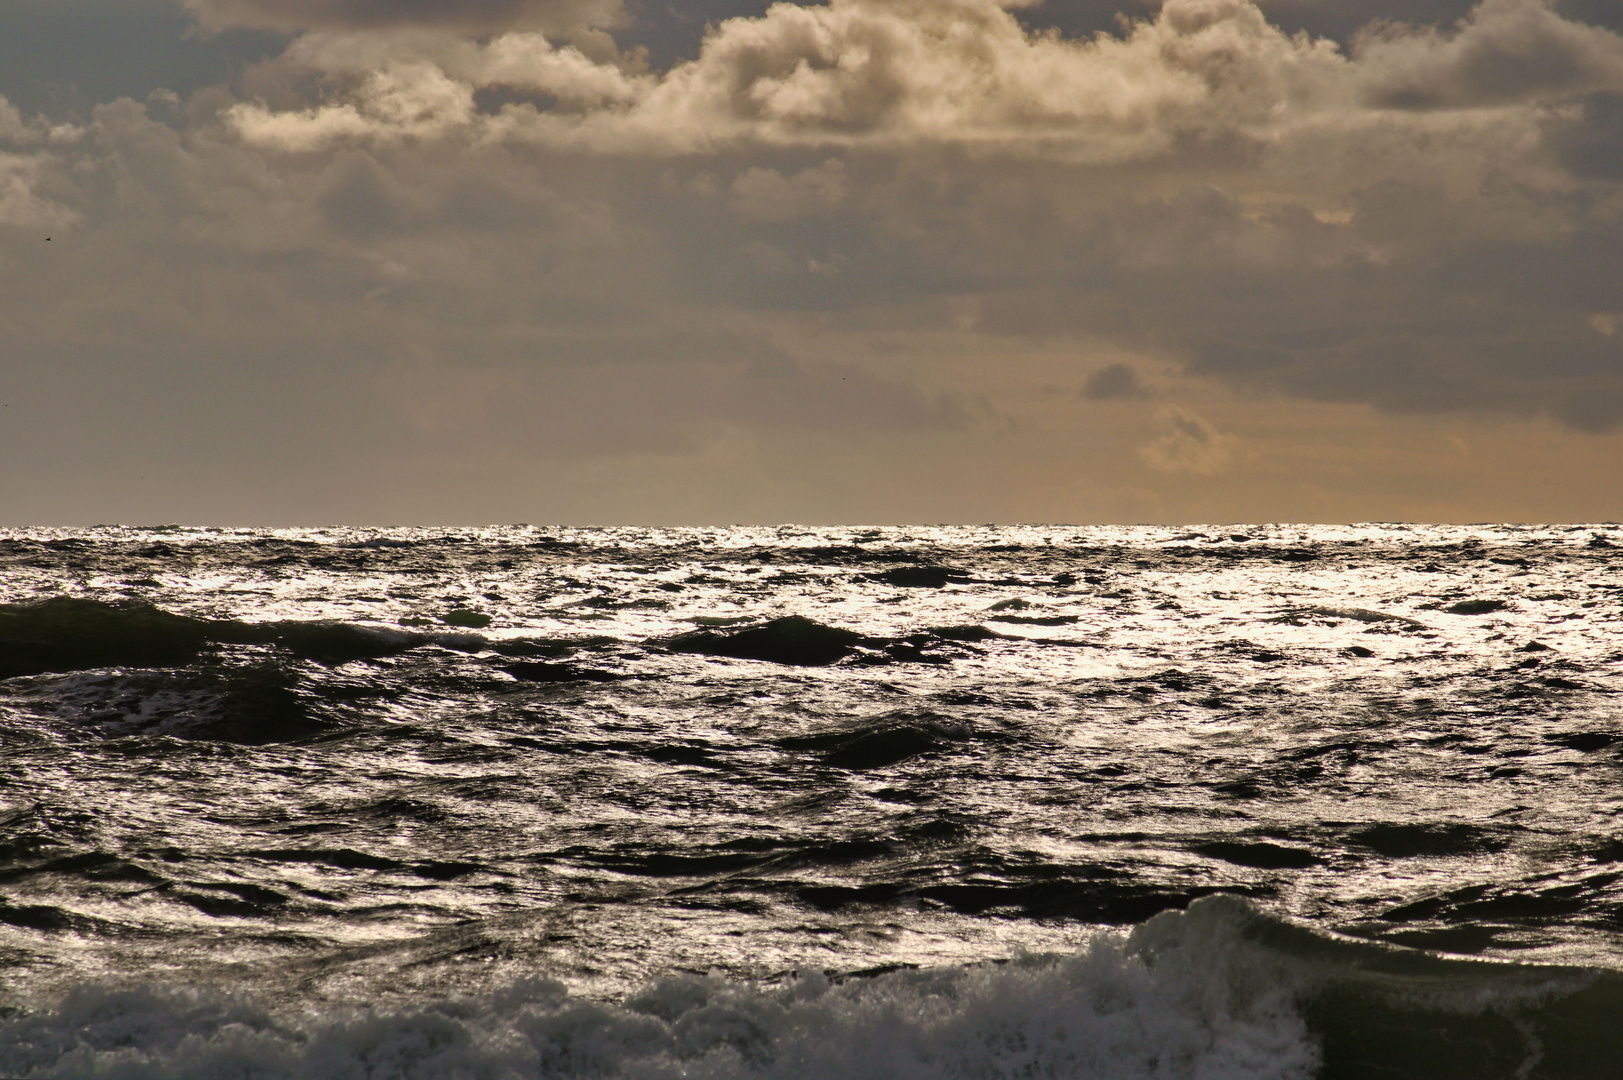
[(12, 128), (402, 100), (30, 174), (21, 206), (965, 72), (1114, 382), (1506, 51), (766, 195), (898, 72), (1189, 444)]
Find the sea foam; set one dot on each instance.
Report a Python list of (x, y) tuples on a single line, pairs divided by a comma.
[(1184, 997)]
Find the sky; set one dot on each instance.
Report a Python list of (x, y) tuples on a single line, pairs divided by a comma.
[(677, 262)]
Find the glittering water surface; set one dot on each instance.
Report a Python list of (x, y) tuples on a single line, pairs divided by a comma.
[(375, 766)]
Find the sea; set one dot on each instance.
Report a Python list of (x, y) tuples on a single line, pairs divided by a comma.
[(1198, 803)]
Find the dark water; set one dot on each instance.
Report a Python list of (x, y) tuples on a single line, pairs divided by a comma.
[(940, 802)]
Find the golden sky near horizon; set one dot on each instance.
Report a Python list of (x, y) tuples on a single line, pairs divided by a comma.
[(584, 261)]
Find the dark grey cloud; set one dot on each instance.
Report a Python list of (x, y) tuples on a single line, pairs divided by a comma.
[(1114, 382), (357, 199), (1458, 321)]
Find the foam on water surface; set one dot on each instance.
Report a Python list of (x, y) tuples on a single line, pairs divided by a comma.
[(1220, 992), (1197, 1003)]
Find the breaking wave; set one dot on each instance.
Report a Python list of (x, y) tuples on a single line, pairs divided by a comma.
[(1216, 992)]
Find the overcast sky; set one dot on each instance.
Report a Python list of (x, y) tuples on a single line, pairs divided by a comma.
[(706, 261)]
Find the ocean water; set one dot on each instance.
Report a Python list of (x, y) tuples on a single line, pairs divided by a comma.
[(1218, 802)]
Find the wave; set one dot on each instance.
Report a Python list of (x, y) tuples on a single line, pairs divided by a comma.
[(799, 641), (65, 634), (71, 634), (880, 741), (793, 639), (1218, 992)]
